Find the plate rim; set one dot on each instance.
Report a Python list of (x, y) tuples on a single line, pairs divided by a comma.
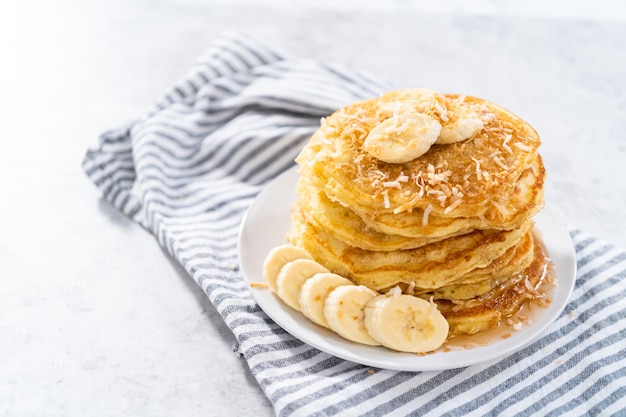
[(562, 252)]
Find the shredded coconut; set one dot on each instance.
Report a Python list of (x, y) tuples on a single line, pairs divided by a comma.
[(501, 164), (453, 206), (437, 178), (420, 183), (395, 291), (505, 143), (384, 175), (478, 171), (386, 199), (408, 205), (426, 214), (402, 178), (443, 112), (392, 184), (522, 146)]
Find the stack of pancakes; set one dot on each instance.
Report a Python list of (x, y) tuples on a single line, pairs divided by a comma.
[(453, 225)]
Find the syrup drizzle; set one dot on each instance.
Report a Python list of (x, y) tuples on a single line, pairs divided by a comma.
[(525, 316)]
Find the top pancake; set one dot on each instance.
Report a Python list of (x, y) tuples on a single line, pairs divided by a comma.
[(484, 177)]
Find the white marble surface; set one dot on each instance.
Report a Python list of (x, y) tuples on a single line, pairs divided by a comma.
[(95, 320)]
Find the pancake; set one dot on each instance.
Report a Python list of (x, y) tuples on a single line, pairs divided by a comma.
[(428, 267), (432, 193), (349, 227), (385, 232), (482, 182), (467, 317), (525, 201), (481, 280)]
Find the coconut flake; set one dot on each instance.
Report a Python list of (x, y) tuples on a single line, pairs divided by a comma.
[(505, 143), (395, 291), (456, 193), (419, 181), (386, 199), (443, 112), (501, 164), (523, 146), (427, 212), (392, 184), (478, 170), (411, 287), (384, 175), (453, 206), (402, 178), (408, 206)]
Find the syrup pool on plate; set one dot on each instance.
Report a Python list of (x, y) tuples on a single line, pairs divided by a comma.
[(525, 316)]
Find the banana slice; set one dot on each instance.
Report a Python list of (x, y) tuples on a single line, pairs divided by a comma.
[(402, 138), (466, 125), (313, 295), (277, 258), (405, 323), (344, 312), (292, 276)]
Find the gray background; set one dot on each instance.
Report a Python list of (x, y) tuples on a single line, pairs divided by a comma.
[(94, 318)]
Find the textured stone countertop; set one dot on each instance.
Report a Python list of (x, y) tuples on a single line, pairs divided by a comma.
[(95, 319)]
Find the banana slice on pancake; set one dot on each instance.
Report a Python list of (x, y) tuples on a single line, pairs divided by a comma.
[(402, 138), (466, 124)]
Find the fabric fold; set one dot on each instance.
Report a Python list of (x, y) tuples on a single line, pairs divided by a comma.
[(188, 171)]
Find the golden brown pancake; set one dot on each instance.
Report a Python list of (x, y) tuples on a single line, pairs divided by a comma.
[(349, 227), (486, 311), (429, 267), (453, 224), (492, 180), (481, 280), (384, 232)]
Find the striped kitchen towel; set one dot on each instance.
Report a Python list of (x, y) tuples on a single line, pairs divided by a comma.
[(188, 171)]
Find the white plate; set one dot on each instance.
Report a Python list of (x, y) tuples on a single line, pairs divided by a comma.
[(266, 225)]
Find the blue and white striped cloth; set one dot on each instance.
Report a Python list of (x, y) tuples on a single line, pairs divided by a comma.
[(188, 171)]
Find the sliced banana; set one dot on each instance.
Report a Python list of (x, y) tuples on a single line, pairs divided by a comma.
[(277, 258), (467, 123), (292, 276), (402, 138), (344, 312), (313, 295), (405, 323)]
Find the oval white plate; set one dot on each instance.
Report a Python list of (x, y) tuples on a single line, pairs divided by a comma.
[(268, 221)]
